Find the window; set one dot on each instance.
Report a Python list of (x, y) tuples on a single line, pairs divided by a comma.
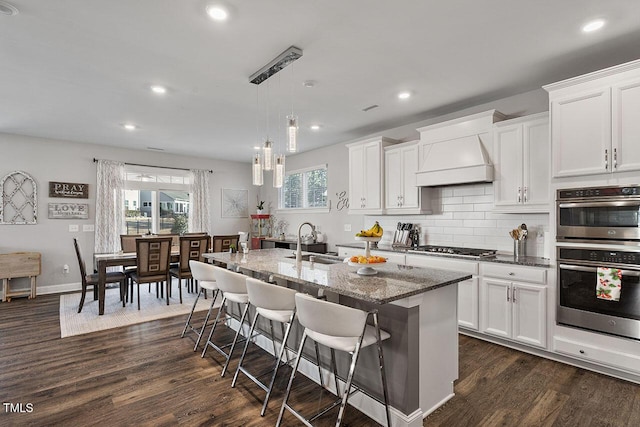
[(305, 189), (156, 200)]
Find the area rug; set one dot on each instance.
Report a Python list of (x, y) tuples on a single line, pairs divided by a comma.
[(151, 308)]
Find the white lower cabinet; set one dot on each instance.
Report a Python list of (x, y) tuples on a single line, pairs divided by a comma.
[(599, 353), (511, 308), (467, 289)]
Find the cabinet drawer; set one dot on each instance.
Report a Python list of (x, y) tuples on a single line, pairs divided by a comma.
[(426, 261), (513, 272), (598, 355)]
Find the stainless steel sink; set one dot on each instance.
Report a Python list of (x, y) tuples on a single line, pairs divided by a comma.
[(318, 259)]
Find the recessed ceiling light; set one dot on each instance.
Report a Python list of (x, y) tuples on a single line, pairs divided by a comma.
[(404, 95), (315, 127), (309, 83), (256, 147), (160, 90), (217, 12), (8, 9), (592, 26), (129, 126)]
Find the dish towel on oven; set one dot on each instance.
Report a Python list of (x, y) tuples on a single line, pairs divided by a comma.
[(609, 283)]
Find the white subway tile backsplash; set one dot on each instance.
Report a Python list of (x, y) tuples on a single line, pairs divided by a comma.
[(480, 223), (465, 218), (453, 200), (475, 190), (468, 215), (458, 208), (478, 199)]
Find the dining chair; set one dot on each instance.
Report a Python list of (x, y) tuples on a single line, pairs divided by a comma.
[(128, 242), (191, 248), (152, 263), (340, 328), (93, 279), (223, 243)]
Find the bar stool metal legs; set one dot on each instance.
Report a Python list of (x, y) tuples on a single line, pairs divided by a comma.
[(220, 349), (337, 327), (274, 303)]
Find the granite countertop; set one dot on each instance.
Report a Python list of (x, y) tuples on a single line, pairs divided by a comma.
[(501, 258), (392, 282)]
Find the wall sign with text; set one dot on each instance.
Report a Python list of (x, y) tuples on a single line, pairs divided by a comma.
[(69, 190), (68, 211)]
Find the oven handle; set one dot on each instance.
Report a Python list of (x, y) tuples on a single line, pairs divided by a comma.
[(594, 269), (612, 203)]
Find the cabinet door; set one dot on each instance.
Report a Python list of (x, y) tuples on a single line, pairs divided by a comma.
[(581, 134), (356, 177), (410, 193), (626, 126), (529, 314), (372, 185), (508, 185), (495, 303), (536, 176), (393, 178), (468, 304)]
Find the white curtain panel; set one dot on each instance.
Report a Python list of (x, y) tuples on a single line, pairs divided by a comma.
[(109, 206), (199, 218)]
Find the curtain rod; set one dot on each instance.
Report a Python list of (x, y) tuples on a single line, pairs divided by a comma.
[(154, 166)]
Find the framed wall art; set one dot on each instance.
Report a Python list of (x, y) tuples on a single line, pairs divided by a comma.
[(68, 211), (235, 203)]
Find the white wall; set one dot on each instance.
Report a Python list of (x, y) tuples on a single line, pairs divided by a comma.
[(481, 229), (52, 160)]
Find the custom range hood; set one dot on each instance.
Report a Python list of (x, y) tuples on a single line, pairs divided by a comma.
[(455, 152)]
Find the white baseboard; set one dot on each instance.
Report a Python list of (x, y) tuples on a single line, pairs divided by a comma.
[(54, 289)]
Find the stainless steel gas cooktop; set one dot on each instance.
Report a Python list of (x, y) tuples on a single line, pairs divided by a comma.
[(457, 252)]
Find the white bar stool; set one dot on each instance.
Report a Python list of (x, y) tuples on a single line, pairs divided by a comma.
[(341, 328), (275, 303), (204, 274), (234, 289)]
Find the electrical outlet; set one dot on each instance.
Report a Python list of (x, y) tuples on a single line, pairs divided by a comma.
[(347, 227), (65, 269), (87, 227), (73, 228)]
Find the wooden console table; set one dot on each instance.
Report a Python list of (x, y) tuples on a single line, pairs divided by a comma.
[(19, 264)]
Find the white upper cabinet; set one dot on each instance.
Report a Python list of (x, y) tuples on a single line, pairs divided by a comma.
[(366, 174), (594, 122), (625, 135), (402, 196), (521, 164)]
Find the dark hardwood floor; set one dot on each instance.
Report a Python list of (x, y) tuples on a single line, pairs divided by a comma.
[(146, 375)]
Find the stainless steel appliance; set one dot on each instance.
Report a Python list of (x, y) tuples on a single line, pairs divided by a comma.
[(454, 251), (599, 214), (577, 302)]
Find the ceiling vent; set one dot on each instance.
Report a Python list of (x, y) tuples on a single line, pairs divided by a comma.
[(8, 9), (370, 107)]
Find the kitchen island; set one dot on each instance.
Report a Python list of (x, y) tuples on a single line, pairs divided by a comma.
[(417, 306)]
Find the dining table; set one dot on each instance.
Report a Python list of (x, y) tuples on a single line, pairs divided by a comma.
[(118, 259)]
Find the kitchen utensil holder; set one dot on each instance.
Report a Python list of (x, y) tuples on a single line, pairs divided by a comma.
[(519, 248)]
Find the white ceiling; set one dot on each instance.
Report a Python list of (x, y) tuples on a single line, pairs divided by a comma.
[(77, 69)]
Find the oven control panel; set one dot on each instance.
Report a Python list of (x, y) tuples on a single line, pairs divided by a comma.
[(598, 192), (593, 255)]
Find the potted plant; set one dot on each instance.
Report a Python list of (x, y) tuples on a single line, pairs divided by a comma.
[(260, 207)]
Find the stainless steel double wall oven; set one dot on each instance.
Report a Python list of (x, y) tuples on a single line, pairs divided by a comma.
[(603, 226)]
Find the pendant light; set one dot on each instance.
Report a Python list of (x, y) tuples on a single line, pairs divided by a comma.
[(292, 123), (267, 155), (256, 168), (292, 133), (278, 171)]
